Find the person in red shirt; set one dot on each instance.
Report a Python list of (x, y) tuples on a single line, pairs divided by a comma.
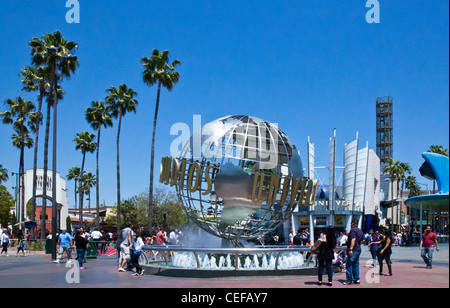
[(429, 240), (160, 237)]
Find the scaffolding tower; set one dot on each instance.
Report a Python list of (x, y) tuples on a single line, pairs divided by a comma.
[(384, 143), (384, 129)]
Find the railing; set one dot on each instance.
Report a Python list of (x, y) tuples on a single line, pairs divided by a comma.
[(167, 249)]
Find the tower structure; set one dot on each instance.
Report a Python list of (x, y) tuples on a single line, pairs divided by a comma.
[(385, 142)]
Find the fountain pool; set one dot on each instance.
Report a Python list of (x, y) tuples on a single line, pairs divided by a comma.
[(219, 262)]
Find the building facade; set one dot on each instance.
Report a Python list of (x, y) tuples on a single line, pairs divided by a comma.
[(354, 194), (24, 195)]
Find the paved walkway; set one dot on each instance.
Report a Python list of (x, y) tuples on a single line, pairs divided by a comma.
[(36, 270)]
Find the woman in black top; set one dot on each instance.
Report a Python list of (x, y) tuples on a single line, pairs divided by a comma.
[(326, 255), (81, 243), (385, 251)]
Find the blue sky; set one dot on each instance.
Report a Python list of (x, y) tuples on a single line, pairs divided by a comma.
[(310, 66)]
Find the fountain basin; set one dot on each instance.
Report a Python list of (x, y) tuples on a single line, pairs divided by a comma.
[(227, 262)]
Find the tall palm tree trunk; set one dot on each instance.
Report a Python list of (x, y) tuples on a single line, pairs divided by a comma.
[(36, 143), (81, 191), (22, 184), (75, 193), (44, 182), (97, 189), (118, 173), (152, 163)]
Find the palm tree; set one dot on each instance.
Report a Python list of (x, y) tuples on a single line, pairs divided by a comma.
[(413, 186), (86, 145), (36, 78), (406, 169), (20, 140), (19, 115), (74, 174), (3, 174), (98, 115), (41, 57), (396, 172), (157, 70), (439, 149), (120, 101), (88, 182)]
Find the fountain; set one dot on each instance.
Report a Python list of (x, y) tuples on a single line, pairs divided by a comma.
[(238, 178), (219, 262)]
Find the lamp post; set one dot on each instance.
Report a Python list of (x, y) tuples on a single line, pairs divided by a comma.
[(164, 212), (17, 203), (53, 52)]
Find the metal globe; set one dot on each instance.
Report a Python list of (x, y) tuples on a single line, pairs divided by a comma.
[(228, 189)]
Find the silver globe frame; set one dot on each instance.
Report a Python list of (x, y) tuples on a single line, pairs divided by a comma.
[(238, 147)]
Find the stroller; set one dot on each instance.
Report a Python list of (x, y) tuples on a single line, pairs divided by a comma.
[(338, 262)]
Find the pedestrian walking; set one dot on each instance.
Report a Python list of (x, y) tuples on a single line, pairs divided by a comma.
[(384, 251), (160, 237), (4, 239), (137, 251), (21, 246), (373, 246), (125, 245), (81, 243), (427, 244), (355, 237), (326, 255), (64, 245)]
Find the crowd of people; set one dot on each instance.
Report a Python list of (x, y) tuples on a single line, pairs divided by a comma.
[(7, 240), (379, 242), (130, 241)]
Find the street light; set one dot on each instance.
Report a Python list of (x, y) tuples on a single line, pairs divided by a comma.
[(16, 199), (164, 212)]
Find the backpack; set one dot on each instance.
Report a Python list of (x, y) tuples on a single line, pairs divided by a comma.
[(119, 237), (297, 239)]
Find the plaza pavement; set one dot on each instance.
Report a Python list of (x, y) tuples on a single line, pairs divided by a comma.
[(37, 271)]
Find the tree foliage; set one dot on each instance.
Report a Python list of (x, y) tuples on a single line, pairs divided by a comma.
[(135, 210), (6, 202)]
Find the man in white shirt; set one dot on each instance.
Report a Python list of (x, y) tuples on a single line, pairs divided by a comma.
[(343, 239), (173, 237), (96, 235)]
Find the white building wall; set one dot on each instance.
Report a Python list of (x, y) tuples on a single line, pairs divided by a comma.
[(61, 190), (350, 153), (372, 199), (367, 181)]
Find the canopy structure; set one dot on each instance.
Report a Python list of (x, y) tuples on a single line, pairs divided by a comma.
[(435, 167)]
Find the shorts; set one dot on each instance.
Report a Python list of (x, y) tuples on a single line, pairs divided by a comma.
[(124, 252)]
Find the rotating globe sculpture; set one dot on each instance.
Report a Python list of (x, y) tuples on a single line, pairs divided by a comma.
[(239, 178)]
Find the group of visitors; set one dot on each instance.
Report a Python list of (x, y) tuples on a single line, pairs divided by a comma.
[(302, 237), (168, 237), (130, 249), (7, 239), (66, 243), (380, 243)]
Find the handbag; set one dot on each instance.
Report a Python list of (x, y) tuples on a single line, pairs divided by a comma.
[(315, 249)]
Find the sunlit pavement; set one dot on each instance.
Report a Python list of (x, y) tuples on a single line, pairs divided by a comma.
[(37, 270)]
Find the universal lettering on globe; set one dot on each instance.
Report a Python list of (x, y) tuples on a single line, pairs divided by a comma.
[(301, 191)]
